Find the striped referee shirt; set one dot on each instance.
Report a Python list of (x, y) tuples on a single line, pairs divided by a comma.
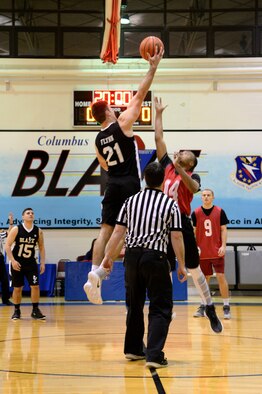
[(149, 216), (3, 235)]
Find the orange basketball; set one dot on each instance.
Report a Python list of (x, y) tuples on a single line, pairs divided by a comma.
[(148, 45)]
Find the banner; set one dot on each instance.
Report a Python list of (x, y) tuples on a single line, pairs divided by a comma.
[(57, 174)]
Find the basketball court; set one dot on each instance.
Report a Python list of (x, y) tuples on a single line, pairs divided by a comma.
[(79, 349)]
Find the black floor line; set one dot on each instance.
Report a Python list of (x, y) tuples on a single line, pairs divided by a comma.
[(157, 381)]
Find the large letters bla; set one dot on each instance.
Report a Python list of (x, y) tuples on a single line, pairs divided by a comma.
[(38, 175), (52, 190)]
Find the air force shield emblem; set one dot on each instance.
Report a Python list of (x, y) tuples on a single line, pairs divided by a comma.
[(248, 172)]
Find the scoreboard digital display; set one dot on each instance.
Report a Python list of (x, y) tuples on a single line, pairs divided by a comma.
[(118, 100)]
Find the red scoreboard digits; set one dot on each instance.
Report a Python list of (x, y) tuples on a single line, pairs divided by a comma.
[(118, 100)]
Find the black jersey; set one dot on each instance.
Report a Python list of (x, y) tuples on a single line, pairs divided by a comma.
[(119, 151), (25, 244)]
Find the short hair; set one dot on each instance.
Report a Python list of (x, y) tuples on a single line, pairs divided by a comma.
[(154, 174), (27, 209), (98, 110), (209, 190)]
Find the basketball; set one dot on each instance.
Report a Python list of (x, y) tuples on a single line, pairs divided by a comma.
[(148, 45)]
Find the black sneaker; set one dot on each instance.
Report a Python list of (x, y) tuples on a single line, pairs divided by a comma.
[(157, 364), (37, 314), (214, 320), (16, 315)]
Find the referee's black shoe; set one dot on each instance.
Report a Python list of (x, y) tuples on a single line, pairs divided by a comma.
[(215, 323), (7, 302), (157, 364)]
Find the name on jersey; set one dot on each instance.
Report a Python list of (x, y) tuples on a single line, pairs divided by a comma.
[(106, 140), (28, 240)]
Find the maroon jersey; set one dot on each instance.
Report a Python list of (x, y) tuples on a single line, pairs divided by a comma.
[(175, 188), (208, 232)]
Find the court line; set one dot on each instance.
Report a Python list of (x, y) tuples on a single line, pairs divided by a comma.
[(157, 381), (131, 376)]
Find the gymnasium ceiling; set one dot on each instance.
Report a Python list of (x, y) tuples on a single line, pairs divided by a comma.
[(189, 28)]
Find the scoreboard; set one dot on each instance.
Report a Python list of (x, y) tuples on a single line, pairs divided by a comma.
[(118, 100)]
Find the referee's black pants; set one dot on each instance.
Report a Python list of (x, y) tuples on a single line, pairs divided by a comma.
[(147, 272)]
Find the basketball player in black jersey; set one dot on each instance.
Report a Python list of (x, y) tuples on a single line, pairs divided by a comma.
[(26, 237), (117, 153)]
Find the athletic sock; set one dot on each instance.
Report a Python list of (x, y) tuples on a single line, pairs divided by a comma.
[(102, 273), (201, 284)]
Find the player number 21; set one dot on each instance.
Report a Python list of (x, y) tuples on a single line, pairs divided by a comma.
[(109, 151)]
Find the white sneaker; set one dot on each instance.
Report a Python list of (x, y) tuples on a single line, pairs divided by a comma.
[(92, 288), (226, 310)]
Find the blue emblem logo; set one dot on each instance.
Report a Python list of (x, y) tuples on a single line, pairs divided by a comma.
[(248, 170)]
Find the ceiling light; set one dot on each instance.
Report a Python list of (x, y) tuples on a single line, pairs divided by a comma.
[(125, 19)]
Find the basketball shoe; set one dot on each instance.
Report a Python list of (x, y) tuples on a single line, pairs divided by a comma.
[(157, 364), (16, 315), (215, 323), (37, 314), (226, 310), (135, 357), (200, 312), (92, 288)]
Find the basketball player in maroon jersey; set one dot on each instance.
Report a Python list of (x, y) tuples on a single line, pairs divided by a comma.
[(210, 225), (181, 183)]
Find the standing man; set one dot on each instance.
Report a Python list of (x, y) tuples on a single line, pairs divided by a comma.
[(181, 183), (3, 273), (210, 226), (25, 238), (117, 153), (147, 219)]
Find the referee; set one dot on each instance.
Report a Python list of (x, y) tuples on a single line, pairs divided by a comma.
[(148, 218), (3, 273)]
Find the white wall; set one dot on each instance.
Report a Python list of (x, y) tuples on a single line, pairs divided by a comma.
[(201, 94), (69, 244)]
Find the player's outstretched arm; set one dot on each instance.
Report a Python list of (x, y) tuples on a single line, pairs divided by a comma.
[(159, 135), (130, 115)]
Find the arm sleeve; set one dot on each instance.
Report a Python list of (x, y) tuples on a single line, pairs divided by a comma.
[(223, 218), (196, 178), (3, 234), (176, 223), (165, 161), (122, 217), (193, 217)]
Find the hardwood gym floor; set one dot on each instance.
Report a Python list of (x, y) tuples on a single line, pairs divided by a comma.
[(79, 349)]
